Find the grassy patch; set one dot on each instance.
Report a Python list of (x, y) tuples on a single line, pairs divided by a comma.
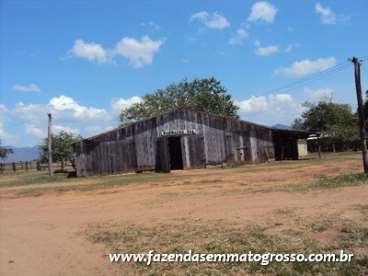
[(323, 182), (23, 179), (100, 182), (216, 237)]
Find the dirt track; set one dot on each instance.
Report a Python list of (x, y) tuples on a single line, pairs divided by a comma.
[(44, 235)]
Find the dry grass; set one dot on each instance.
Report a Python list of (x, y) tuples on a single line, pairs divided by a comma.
[(220, 237), (314, 205), (311, 173)]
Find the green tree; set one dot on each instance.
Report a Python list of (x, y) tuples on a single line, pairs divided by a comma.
[(334, 121), (62, 147), (4, 152), (200, 95)]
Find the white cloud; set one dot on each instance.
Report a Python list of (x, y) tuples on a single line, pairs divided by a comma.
[(119, 104), (306, 67), (150, 24), (4, 135), (90, 51), (291, 47), (32, 87), (35, 131), (257, 43), (29, 112), (267, 51), (3, 108), (40, 132), (65, 110), (262, 10), (211, 21), (239, 37), (320, 93), (2, 131), (58, 128), (263, 103), (94, 130), (139, 53), (68, 115), (253, 104), (326, 14), (65, 106), (270, 109)]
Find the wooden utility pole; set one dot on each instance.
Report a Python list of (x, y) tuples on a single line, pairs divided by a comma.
[(49, 138), (362, 131)]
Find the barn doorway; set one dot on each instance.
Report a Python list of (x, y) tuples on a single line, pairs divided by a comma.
[(176, 158)]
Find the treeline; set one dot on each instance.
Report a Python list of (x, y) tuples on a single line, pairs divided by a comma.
[(336, 123)]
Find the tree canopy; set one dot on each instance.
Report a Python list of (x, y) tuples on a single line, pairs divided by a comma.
[(4, 152), (334, 121), (200, 95), (62, 147)]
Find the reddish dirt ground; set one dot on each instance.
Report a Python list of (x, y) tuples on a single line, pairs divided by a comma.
[(43, 235)]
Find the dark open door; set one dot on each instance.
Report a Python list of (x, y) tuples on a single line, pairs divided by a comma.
[(175, 152), (162, 155), (196, 151), (229, 149)]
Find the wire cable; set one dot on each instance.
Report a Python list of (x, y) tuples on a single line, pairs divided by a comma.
[(293, 85)]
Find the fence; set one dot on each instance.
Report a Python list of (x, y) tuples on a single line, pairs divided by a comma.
[(27, 166)]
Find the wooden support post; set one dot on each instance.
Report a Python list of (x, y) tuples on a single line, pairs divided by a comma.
[(358, 87), (49, 136)]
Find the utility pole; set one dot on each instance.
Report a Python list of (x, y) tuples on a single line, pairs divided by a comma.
[(49, 138), (358, 87)]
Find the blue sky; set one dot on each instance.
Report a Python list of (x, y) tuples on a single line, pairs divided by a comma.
[(85, 60)]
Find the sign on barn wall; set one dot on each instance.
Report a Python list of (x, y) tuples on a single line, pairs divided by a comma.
[(175, 132)]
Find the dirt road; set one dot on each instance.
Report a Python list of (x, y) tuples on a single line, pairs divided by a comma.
[(44, 235)]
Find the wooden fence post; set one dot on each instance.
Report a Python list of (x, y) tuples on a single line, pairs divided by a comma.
[(14, 167)]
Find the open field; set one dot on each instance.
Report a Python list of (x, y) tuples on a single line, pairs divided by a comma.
[(66, 226)]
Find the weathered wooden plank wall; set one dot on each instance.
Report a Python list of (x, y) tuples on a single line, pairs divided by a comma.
[(213, 140)]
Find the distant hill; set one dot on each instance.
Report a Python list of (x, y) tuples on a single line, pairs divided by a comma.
[(22, 154), (281, 126)]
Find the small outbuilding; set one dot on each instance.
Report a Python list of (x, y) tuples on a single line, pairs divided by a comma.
[(183, 139)]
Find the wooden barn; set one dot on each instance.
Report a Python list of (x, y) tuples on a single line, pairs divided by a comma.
[(183, 139)]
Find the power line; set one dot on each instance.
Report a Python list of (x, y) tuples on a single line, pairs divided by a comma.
[(316, 78), (293, 85)]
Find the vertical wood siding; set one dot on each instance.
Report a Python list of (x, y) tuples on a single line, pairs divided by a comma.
[(215, 140)]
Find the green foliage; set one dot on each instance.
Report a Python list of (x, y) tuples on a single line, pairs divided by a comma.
[(325, 115), (4, 152), (62, 147), (200, 95), (334, 121)]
